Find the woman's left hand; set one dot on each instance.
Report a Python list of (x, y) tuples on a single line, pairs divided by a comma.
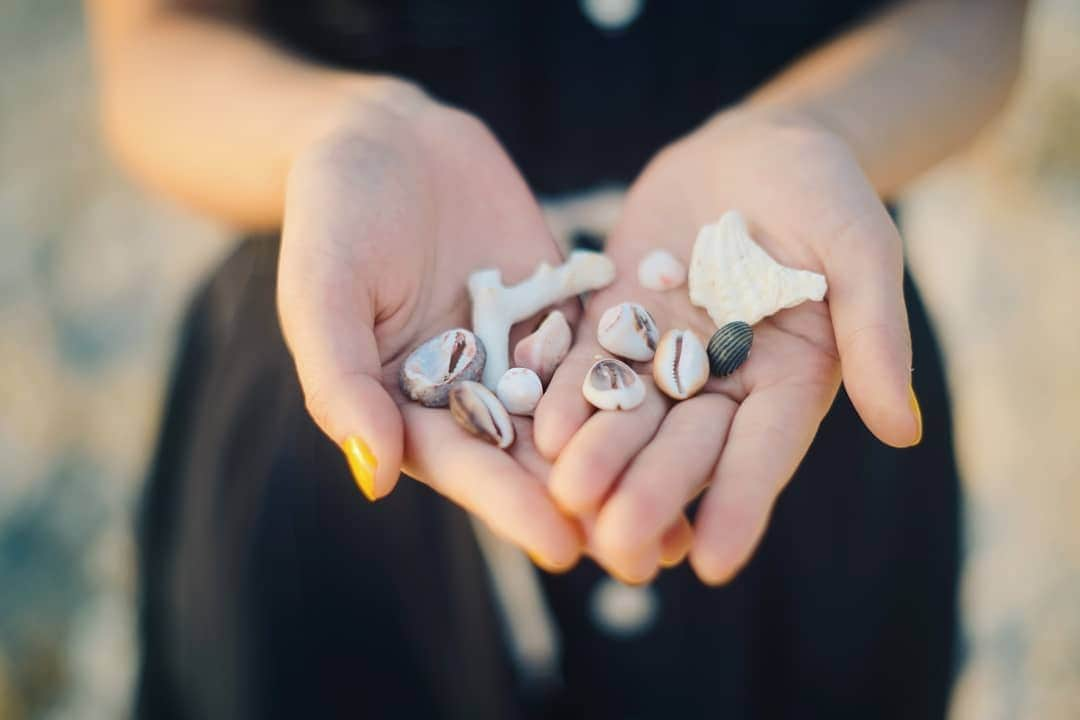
[(810, 206)]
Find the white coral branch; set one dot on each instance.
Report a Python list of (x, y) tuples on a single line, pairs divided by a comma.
[(496, 307)]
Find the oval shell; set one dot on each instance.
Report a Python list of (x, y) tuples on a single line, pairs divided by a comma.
[(729, 347), (545, 348), (519, 391), (478, 411), (681, 365), (629, 331), (660, 270), (431, 369), (611, 384)]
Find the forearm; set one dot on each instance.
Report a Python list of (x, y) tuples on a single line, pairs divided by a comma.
[(908, 87), (209, 113)]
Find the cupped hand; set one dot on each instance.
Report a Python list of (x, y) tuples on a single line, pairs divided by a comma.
[(809, 205), (385, 218)]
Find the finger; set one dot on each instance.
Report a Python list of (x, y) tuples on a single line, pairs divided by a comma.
[(664, 477), (562, 408), (635, 567), (340, 372), (770, 433), (490, 483), (601, 449), (866, 301), (676, 542)]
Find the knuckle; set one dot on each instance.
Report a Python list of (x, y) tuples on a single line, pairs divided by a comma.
[(317, 404), (645, 508)]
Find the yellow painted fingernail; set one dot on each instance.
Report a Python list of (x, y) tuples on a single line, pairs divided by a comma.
[(918, 414), (546, 566), (363, 464)]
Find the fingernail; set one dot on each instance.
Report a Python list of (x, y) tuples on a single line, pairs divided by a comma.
[(363, 464), (918, 415), (673, 560), (546, 566)]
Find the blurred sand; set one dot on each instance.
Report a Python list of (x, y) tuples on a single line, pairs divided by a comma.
[(94, 274), (995, 241)]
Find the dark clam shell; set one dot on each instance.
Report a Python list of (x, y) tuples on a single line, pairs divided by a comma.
[(729, 347)]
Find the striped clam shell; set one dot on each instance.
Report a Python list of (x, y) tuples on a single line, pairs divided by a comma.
[(729, 347)]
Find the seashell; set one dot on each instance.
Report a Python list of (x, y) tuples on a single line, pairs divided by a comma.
[(733, 278), (660, 270), (544, 349), (519, 391), (681, 365), (729, 347), (430, 370), (611, 384), (478, 411), (629, 331)]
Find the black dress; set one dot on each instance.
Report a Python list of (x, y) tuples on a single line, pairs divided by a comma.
[(270, 588)]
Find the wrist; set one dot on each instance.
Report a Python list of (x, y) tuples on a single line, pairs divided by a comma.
[(800, 121), (352, 105)]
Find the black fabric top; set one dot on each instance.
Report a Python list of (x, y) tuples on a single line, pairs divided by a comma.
[(576, 105)]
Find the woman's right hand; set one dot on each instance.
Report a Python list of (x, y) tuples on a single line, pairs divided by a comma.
[(386, 216)]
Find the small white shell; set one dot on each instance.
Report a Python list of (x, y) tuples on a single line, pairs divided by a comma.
[(519, 390), (681, 365), (431, 369), (660, 270), (611, 384), (546, 347), (733, 278), (478, 411), (629, 331)]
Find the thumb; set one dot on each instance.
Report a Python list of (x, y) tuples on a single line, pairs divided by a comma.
[(865, 269), (340, 373)]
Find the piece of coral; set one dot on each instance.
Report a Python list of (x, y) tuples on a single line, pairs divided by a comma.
[(496, 307)]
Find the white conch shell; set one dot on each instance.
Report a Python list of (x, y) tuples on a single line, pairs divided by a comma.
[(611, 384), (544, 349), (496, 307), (733, 278), (660, 270), (629, 331), (681, 365), (519, 391)]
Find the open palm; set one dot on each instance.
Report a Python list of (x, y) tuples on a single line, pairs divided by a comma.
[(384, 222), (809, 206)]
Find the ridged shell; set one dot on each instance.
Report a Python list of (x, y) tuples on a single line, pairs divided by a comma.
[(729, 347), (733, 278)]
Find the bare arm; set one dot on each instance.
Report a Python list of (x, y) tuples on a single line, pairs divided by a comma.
[(909, 87), (204, 110), (208, 112)]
